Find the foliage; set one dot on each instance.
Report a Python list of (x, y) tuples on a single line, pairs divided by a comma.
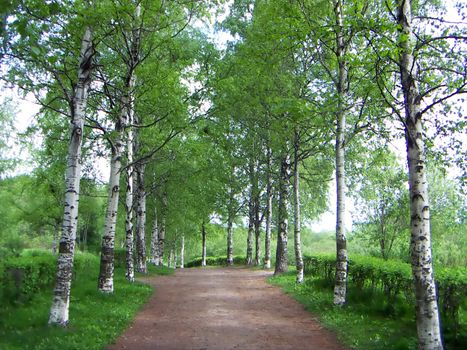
[(7, 162), (97, 318), (32, 212), (393, 279), (382, 203), (23, 276), (216, 261), (361, 324)]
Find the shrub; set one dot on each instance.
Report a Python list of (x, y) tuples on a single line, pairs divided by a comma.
[(216, 261), (394, 279), (23, 276)]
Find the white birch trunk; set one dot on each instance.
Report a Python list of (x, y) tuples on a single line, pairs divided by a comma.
[(257, 231), (428, 325), (251, 218), (229, 241), (141, 265), (267, 238), (61, 295), (203, 234), (154, 259), (175, 255), (282, 230), (297, 223), (182, 253), (169, 259), (230, 227), (105, 281), (129, 236), (340, 287), (162, 229)]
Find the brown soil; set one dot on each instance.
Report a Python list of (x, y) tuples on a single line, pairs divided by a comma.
[(222, 308)]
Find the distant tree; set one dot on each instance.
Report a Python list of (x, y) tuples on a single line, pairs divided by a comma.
[(7, 162), (381, 199)]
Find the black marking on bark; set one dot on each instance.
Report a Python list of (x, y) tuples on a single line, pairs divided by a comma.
[(64, 247)]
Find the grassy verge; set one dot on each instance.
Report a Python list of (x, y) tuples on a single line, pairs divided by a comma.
[(95, 319), (362, 324)]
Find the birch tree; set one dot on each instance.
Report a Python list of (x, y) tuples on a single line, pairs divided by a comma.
[(429, 58), (61, 301)]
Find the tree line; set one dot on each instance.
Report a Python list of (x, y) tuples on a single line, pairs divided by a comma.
[(307, 91)]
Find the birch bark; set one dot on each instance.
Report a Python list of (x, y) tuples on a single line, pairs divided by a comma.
[(182, 253), (428, 325), (340, 287), (129, 236), (61, 295), (249, 240), (203, 234), (105, 281), (282, 231), (154, 259), (297, 223), (162, 229), (267, 238), (257, 229), (230, 219), (169, 259), (140, 219), (229, 241)]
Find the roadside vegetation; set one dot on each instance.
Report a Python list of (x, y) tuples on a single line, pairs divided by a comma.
[(99, 318)]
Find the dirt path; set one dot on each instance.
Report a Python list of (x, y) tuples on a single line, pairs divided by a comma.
[(222, 308)]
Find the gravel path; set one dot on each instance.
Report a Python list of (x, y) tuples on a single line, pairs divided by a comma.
[(222, 308)]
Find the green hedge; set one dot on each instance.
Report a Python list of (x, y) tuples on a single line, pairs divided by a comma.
[(394, 278), (216, 261), (23, 276)]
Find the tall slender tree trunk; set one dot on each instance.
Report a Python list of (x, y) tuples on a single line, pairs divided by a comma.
[(230, 219), (61, 295), (129, 236), (257, 232), (340, 286), (105, 281), (129, 210), (140, 220), (297, 223), (169, 259), (154, 259), (282, 230), (249, 240), (182, 253), (267, 236), (203, 236), (251, 217), (229, 241), (428, 325), (162, 229)]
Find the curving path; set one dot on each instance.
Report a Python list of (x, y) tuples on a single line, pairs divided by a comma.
[(222, 308)]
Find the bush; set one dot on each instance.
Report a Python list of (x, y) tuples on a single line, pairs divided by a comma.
[(23, 276), (216, 261), (394, 279)]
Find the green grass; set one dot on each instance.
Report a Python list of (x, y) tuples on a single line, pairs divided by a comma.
[(96, 319), (361, 324)]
